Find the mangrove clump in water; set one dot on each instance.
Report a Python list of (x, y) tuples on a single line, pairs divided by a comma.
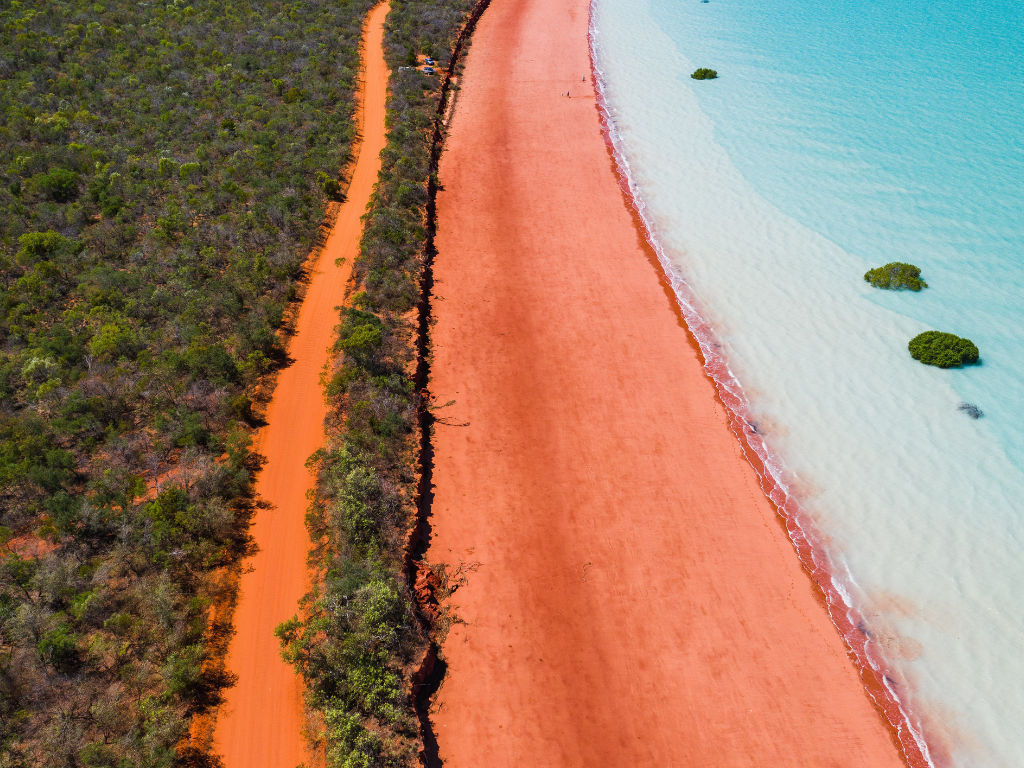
[(896, 276), (943, 350), (704, 74)]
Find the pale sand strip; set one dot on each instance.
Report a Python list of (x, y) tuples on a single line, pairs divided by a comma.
[(596, 447), (261, 722)]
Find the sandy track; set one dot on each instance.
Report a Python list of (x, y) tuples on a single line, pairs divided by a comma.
[(261, 722), (636, 600)]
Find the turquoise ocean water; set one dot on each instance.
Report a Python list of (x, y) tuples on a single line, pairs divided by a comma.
[(840, 136)]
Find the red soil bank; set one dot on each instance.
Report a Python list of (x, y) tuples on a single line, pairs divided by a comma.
[(637, 601), (261, 722)]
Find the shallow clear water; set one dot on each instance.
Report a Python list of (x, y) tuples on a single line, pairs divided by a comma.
[(838, 137)]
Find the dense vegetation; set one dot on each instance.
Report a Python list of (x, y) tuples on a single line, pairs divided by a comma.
[(943, 350), (361, 638), (166, 168), (896, 276), (703, 73)]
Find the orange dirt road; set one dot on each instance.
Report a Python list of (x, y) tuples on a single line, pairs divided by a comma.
[(636, 602), (261, 722)]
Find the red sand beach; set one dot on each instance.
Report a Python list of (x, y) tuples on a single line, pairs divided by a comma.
[(636, 601), (261, 722)]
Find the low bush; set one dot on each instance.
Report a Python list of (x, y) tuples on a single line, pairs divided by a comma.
[(896, 276), (60, 648), (943, 350), (703, 73), (60, 184)]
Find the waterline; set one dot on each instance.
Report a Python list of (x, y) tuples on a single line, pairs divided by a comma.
[(903, 504)]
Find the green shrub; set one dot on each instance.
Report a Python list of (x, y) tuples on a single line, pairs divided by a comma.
[(183, 670), (331, 187), (60, 184), (210, 362), (114, 341), (362, 342), (110, 206), (359, 502), (167, 167), (943, 350), (896, 276), (120, 624), (36, 246), (97, 756), (703, 73), (59, 648), (241, 407), (352, 746)]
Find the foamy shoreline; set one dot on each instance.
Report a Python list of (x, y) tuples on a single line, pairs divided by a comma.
[(835, 581), (821, 568)]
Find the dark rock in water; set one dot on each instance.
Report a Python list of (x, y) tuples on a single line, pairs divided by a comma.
[(971, 410)]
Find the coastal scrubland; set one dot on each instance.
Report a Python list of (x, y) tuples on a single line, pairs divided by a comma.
[(359, 639), (166, 169)]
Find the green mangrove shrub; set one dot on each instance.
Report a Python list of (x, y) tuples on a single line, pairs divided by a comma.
[(943, 350), (703, 73), (896, 276)]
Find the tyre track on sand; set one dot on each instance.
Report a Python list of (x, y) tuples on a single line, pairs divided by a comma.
[(261, 721)]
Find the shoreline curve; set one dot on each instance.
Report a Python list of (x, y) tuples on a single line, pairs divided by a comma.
[(877, 677)]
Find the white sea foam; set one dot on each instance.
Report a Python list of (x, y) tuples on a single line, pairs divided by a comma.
[(914, 507)]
